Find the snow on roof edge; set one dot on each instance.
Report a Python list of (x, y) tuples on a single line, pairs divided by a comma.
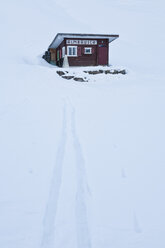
[(60, 36)]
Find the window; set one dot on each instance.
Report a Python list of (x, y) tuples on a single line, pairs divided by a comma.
[(63, 52), (72, 50), (88, 50)]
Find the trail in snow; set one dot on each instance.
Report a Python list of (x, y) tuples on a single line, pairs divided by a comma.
[(137, 228), (51, 210), (82, 229), (123, 173)]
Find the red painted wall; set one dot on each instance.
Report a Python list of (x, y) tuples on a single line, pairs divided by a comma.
[(99, 54)]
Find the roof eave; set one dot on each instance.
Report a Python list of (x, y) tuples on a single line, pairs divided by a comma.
[(69, 35)]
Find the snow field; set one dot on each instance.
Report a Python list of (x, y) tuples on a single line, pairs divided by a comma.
[(82, 165)]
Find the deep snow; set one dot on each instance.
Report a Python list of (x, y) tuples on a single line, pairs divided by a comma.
[(82, 164)]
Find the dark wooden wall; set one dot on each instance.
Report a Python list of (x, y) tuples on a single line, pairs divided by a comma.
[(84, 59), (100, 50)]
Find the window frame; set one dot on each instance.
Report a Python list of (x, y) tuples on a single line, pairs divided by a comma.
[(87, 48), (72, 47)]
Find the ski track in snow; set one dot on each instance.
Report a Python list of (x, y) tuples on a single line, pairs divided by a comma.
[(82, 229), (123, 173), (137, 228), (51, 210)]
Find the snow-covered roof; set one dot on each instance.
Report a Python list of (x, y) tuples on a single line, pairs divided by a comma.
[(60, 37)]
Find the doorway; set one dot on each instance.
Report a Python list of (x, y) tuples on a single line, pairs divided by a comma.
[(102, 54)]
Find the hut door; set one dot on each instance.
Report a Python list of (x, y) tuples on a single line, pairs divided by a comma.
[(102, 55)]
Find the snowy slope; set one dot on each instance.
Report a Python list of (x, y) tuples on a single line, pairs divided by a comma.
[(82, 165)]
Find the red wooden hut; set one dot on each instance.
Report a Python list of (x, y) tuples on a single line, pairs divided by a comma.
[(80, 49)]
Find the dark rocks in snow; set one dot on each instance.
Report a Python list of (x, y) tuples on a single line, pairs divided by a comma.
[(68, 77), (65, 74), (118, 72), (92, 72), (106, 72), (114, 72), (60, 73), (78, 79), (123, 72)]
